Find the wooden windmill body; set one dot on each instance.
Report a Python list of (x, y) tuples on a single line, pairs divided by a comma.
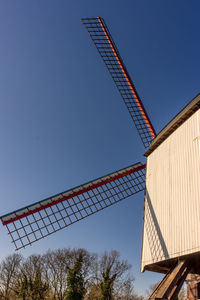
[(172, 198), (171, 228)]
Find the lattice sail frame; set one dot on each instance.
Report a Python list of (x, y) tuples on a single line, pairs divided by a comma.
[(34, 222), (106, 47)]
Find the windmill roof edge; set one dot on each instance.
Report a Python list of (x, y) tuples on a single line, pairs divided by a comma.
[(176, 122)]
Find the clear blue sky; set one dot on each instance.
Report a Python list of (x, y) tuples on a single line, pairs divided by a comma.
[(62, 121)]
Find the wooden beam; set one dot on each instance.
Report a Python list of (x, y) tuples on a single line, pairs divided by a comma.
[(171, 284)]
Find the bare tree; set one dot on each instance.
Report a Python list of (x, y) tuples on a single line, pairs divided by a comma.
[(9, 270), (71, 273), (110, 277), (113, 271), (124, 289), (56, 264), (31, 283)]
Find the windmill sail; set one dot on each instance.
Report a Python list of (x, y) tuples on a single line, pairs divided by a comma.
[(43, 218), (104, 43)]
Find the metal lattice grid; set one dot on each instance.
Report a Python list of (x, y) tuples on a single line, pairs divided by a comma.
[(110, 55), (43, 218)]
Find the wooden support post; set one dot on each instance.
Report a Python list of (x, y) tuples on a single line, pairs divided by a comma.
[(171, 284)]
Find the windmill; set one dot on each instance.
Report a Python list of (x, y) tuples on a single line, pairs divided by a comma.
[(38, 220)]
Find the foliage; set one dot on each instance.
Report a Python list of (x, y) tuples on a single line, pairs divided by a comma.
[(75, 280), (107, 285)]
